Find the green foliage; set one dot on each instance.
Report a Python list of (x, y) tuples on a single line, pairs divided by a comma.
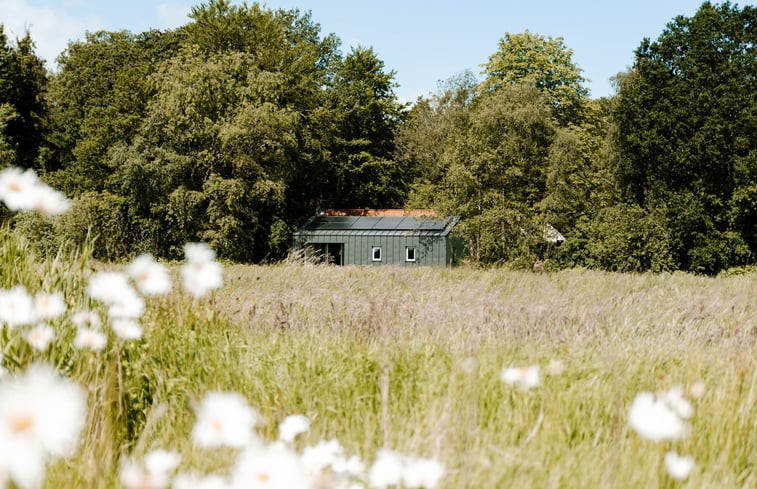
[(366, 116), (496, 172), (620, 238), (544, 62), (686, 117), (23, 105)]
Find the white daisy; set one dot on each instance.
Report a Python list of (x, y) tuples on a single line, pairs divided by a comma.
[(151, 277), (41, 415), (49, 306), (126, 329), (192, 481), (50, 201), (16, 307), (224, 419), (108, 287), (200, 278), (525, 378), (199, 253), (86, 319), (155, 473), (674, 398), (292, 426), (422, 472), (128, 306), (322, 455), (40, 336), (387, 469), (21, 190), (653, 419), (90, 338), (678, 467), (18, 188), (269, 467)]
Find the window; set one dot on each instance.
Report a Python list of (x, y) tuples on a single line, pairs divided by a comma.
[(376, 253), (410, 253)]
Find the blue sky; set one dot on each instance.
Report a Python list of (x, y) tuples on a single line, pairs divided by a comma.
[(423, 41)]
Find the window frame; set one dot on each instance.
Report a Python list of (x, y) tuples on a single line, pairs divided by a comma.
[(407, 254), (373, 254)]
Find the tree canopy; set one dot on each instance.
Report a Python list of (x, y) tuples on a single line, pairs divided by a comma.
[(237, 126)]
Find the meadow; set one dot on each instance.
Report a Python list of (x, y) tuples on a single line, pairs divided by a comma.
[(411, 360)]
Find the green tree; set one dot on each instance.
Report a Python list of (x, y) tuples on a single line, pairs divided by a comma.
[(496, 174), (686, 116), (366, 116), (430, 128), (544, 62), (100, 96), (23, 83)]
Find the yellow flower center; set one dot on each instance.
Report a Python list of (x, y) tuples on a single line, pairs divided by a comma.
[(21, 424)]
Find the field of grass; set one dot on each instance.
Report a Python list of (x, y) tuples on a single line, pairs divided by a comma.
[(410, 359)]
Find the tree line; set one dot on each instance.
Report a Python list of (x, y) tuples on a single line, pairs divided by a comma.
[(237, 126)]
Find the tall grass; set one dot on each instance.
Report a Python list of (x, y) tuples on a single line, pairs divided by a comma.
[(409, 359)]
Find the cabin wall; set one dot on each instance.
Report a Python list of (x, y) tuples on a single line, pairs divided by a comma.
[(358, 248)]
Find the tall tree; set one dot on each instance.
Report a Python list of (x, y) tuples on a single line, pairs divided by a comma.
[(429, 129), (687, 115), (545, 62), (366, 116), (496, 174), (23, 84), (100, 95)]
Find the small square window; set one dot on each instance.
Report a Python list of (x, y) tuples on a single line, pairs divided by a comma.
[(410, 253), (376, 253)]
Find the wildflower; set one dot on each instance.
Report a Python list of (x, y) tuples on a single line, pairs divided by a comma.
[(273, 466), (224, 419), (18, 188), (352, 466), (108, 287), (127, 329), (292, 426), (16, 307), (468, 365), (653, 419), (155, 474), (90, 338), (40, 336), (86, 319), (555, 368), (526, 378), (678, 467), (49, 306), (387, 469), (674, 398), (128, 306), (422, 472), (50, 201), (200, 278), (150, 276), (697, 389), (324, 454), (191, 481), (41, 416), (199, 253), (21, 190), (201, 273)]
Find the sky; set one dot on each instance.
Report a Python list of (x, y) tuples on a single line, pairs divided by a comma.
[(422, 41)]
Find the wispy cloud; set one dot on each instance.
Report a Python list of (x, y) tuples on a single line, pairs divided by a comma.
[(51, 29)]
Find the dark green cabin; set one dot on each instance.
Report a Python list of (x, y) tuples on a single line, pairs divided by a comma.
[(376, 240)]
